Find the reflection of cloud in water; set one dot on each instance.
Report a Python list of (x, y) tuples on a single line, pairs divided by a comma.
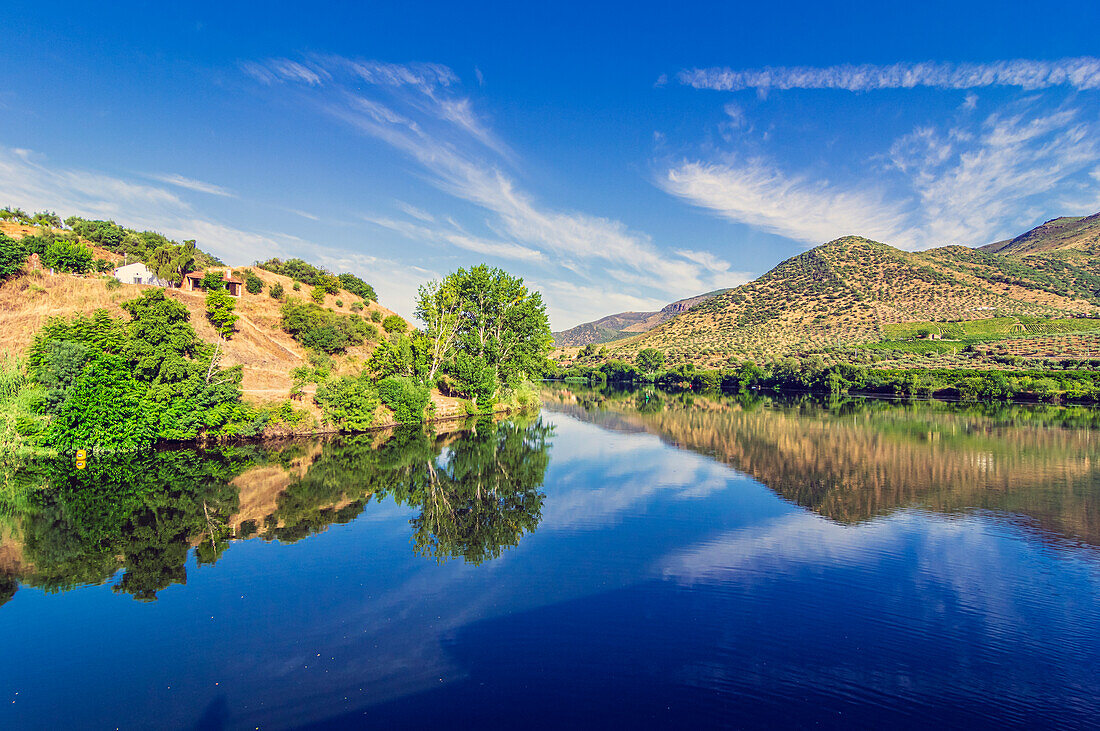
[(974, 561), (630, 469)]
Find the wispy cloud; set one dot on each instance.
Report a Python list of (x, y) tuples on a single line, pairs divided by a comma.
[(970, 182), (797, 206), (1078, 73), (28, 181), (191, 184), (419, 111)]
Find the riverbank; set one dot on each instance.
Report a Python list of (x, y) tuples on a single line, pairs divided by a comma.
[(1070, 386)]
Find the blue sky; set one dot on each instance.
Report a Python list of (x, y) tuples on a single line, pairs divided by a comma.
[(616, 157)]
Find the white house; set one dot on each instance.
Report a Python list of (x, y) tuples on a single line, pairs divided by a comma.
[(138, 273)]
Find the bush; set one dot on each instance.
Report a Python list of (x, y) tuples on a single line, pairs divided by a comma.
[(407, 398), (219, 310), (339, 303), (252, 283), (317, 294), (104, 412), (356, 307), (320, 329), (68, 256), (276, 291), (297, 287), (12, 257), (650, 360), (358, 287), (348, 403), (394, 324), (212, 280), (376, 316)]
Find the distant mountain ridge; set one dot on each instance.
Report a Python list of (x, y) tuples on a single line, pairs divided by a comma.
[(851, 290), (624, 324), (1068, 233)]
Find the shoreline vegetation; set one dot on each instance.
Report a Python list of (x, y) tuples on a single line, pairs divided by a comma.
[(790, 375)]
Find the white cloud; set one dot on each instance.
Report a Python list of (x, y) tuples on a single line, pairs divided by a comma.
[(190, 184), (417, 111), (1078, 73), (970, 183), (796, 206), (27, 181)]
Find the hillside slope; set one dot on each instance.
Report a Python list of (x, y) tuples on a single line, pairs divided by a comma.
[(266, 353), (623, 324), (845, 291)]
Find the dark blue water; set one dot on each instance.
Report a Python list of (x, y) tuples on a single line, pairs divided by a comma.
[(703, 562)]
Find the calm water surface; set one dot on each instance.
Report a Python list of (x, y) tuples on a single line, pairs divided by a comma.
[(622, 558)]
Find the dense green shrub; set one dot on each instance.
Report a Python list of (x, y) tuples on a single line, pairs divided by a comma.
[(357, 286), (395, 324), (212, 280), (104, 412), (650, 359), (252, 283), (276, 291), (348, 403), (12, 257), (407, 398), (376, 316), (317, 294), (321, 329), (220, 306), (68, 256)]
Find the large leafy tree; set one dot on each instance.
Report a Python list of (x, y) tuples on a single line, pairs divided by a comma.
[(491, 317)]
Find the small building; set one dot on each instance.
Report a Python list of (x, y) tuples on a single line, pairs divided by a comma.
[(138, 273), (193, 282)]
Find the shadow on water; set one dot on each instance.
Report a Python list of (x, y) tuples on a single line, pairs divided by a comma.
[(474, 491)]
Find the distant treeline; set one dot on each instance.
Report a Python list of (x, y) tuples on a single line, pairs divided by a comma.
[(306, 273), (1071, 386)]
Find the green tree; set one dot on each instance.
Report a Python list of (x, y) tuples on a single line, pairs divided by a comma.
[(212, 280), (12, 257), (650, 359), (317, 294), (68, 256), (500, 323), (276, 291), (348, 403), (252, 283), (220, 306), (438, 306), (394, 324), (104, 412)]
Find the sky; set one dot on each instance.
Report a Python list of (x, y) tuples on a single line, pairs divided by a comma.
[(616, 156)]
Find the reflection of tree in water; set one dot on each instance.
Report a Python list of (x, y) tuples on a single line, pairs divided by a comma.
[(477, 493), (139, 513), (485, 496)]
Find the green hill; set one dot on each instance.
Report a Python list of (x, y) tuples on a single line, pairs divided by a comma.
[(848, 293)]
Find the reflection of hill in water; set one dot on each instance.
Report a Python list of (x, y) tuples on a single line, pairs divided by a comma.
[(860, 459), (474, 492)]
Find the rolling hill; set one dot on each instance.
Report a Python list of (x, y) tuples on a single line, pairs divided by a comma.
[(848, 291), (624, 324)]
